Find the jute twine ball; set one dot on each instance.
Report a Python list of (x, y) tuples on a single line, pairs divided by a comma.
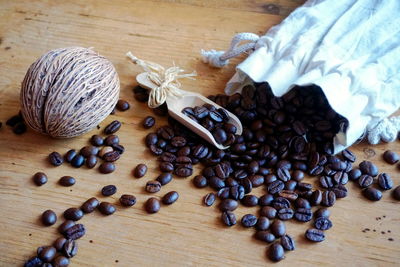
[(68, 91)]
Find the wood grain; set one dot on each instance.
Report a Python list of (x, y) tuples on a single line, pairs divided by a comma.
[(186, 233)]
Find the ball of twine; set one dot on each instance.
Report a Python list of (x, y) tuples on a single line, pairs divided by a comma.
[(68, 91)]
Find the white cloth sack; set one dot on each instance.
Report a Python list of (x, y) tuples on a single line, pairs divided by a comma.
[(350, 48)]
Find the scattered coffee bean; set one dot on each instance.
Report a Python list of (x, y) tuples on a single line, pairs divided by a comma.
[(276, 252), (40, 178), (111, 140), (328, 198), (59, 243), (396, 193), (263, 223), (65, 226), (67, 181), (148, 122), (322, 212), (91, 161), (140, 170), (106, 208), (372, 194), (113, 127), (367, 167), (268, 212), (170, 197), (228, 218), (49, 217), (106, 167), (322, 223), (278, 228), (122, 105), (70, 155), (285, 214), (200, 181), (33, 262), (209, 199), (228, 205), (105, 150), (73, 214), (55, 159), (365, 180), (391, 157), (97, 140), (90, 205), (384, 181), (111, 156), (288, 243), (315, 235), (164, 178), (70, 248), (78, 161), (47, 254), (60, 261), (303, 214), (249, 220), (141, 94), (19, 128), (109, 190), (75, 232), (86, 151), (250, 200), (127, 200), (153, 186), (265, 200), (152, 205), (265, 236)]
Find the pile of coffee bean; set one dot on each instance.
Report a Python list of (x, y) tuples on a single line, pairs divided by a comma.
[(17, 124), (216, 121)]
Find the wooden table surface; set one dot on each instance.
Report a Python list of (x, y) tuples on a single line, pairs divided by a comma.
[(186, 233)]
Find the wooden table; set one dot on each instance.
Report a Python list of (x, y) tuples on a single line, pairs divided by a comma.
[(186, 233)]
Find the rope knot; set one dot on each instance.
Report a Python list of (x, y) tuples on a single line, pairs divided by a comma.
[(166, 80)]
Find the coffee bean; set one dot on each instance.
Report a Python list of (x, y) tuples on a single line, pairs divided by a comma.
[(288, 243), (49, 217), (106, 167), (170, 197), (265, 200), (148, 122), (184, 170), (322, 212), (391, 157), (153, 186), (40, 178), (140, 170), (276, 252), (263, 223), (285, 214), (278, 228), (111, 156), (302, 203), (396, 193), (223, 193), (55, 159), (65, 226), (78, 161), (60, 261), (365, 181), (90, 205), (141, 94), (152, 205), (315, 235), (166, 166), (283, 174), (268, 212), (106, 208), (322, 223), (199, 181), (47, 254), (354, 174), (96, 140), (372, 194), (178, 141), (73, 214), (328, 198), (228, 218), (12, 121), (367, 167), (265, 236), (250, 200), (209, 199), (119, 148), (91, 161), (109, 190), (228, 204), (288, 194), (280, 203), (67, 181), (33, 262), (303, 214), (348, 155), (105, 150), (384, 181), (70, 155), (304, 186), (341, 178), (151, 139), (166, 132), (127, 200), (70, 248), (122, 105), (75, 232), (275, 187), (340, 191), (19, 128), (113, 127), (86, 151), (249, 220), (58, 244), (220, 135), (164, 178)]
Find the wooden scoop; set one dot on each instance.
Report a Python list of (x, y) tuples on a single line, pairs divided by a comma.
[(190, 99)]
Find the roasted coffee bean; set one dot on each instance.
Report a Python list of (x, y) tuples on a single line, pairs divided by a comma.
[(109, 190), (40, 178), (354, 174), (152, 205), (372, 194), (19, 128), (47, 254), (285, 214), (153, 186), (275, 252), (275, 187), (70, 155), (33, 262), (166, 132), (365, 181), (283, 174), (348, 155), (304, 186), (316, 171), (200, 181), (151, 139), (60, 261), (280, 203), (396, 193), (55, 159), (288, 243), (164, 178), (220, 135), (291, 186), (90, 205), (127, 200), (249, 220), (97, 140), (209, 199), (75, 232), (113, 127), (303, 214), (106, 167), (148, 122), (262, 223), (184, 170), (316, 198), (302, 203), (73, 214), (67, 181), (384, 181), (184, 151), (228, 218), (265, 200), (141, 94), (140, 170), (106, 208), (341, 178), (297, 175), (86, 151), (111, 140), (322, 223), (367, 167), (391, 157), (216, 183), (265, 236), (178, 141), (155, 150), (328, 198), (91, 161), (105, 150), (70, 248), (122, 105), (322, 212), (315, 235), (58, 244), (237, 192), (249, 200), (111, 156), (49, 217), (340, 191), (166, 166), (223, 193), (278, 228), (170, 197), (119, 148), (288, 194), (14, 120), (65, 226), (228, 204)]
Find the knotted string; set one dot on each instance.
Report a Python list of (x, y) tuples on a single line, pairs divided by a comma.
[(166, 80)]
